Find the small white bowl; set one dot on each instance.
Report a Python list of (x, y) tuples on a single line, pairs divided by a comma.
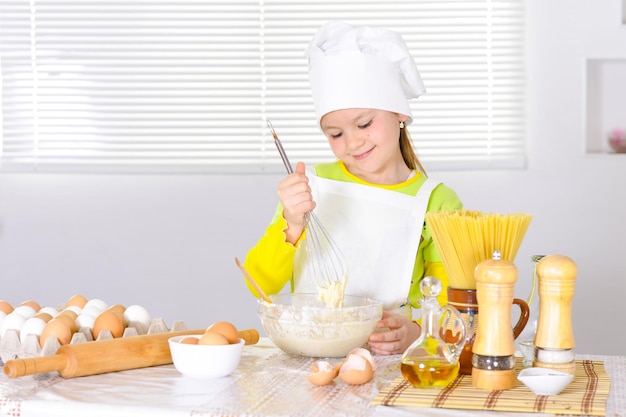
[(205, 361), (544, 381)]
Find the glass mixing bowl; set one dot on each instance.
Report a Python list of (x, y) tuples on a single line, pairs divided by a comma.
[(299, 324)]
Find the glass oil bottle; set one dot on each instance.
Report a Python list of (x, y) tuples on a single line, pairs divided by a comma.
[(431, 362)]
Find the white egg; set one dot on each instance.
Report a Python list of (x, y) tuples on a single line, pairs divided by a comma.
[(2, 316), (96, 303), (24, 311), (33, 325), (85, 320), (75, 309), (137, 314), (13, 322), (91, 311), (49, 310)]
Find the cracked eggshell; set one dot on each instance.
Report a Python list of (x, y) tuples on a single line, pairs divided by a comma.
[(366, 354), (323, 373), (356, 370)]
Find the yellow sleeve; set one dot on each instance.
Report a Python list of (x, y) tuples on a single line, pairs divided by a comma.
[(436, 269), (270, 261)]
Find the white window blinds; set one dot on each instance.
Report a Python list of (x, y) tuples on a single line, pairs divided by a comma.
[(186, 86)]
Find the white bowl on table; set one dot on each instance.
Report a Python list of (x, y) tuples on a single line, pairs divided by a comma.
[(205, 361), (545, 381)]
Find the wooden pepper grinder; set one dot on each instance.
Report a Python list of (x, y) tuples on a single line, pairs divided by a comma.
[(554, 340), (493, 361)]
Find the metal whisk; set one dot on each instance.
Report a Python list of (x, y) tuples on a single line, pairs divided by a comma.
[(326, 261)]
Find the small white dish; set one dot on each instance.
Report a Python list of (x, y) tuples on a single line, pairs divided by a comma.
[(545, 381), (205, 361)]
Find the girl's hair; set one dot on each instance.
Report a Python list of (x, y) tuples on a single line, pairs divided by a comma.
[(408, 153)]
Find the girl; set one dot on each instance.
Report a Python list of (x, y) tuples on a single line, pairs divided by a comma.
[(372, 200)]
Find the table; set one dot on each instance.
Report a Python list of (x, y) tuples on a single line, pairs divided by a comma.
[(266, 383)]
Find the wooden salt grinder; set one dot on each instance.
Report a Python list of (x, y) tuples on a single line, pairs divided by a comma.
[(554, 339), (493, 362)]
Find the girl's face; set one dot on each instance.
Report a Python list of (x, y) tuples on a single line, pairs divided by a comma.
[(367, 141)]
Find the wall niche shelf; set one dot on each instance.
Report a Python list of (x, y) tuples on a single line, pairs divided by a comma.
[(605, 102)]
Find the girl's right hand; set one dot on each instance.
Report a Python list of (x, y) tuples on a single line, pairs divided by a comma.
[(295, 195)]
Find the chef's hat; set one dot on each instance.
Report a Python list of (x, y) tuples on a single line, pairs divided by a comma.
[(361, 67)]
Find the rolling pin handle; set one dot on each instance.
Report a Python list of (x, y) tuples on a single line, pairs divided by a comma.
[(250, 336), (30, 366), (121, 353)]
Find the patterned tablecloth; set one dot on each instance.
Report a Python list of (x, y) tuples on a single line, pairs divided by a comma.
[(266, 383), (586, 395)]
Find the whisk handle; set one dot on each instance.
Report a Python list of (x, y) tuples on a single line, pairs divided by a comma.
[(280, 148), (283, 155)]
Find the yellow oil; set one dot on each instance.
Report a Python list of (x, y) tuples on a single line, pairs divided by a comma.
[(428, 372)]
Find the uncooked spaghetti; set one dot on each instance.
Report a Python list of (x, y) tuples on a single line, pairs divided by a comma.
[(465, 238)]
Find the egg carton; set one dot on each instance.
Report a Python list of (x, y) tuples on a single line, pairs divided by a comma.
[(11, 347)]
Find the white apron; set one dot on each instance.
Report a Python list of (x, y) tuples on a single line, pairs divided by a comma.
[(378, 231)]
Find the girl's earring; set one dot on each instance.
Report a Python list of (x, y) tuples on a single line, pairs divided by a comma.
[(401, 125)]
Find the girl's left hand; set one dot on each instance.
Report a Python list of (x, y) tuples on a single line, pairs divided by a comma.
[(400, 333)]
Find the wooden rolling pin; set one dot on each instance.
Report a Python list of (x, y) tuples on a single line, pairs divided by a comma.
[(112, 355)]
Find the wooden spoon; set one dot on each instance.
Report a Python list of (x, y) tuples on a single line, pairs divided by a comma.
[(252, 281)]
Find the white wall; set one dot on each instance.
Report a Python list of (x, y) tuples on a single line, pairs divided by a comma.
[(169, 242)]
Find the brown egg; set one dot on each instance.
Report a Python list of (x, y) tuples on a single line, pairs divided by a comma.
[(212, 338), (57, 328), (356, 370), (44, 316), (323, 373), (108, 320), (226, 329), (190, 340), (76, 300), (6, 307), (69, 319), (35, 305), (69, 313), (119, 310)]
